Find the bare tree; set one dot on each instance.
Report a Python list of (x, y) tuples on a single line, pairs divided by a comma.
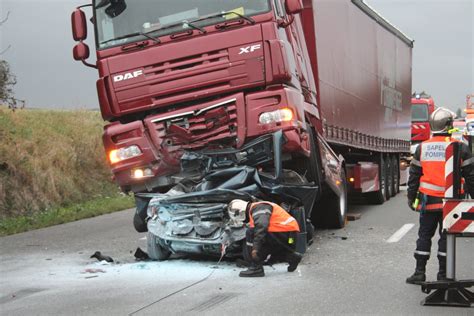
[(7, 82), (1, 23)]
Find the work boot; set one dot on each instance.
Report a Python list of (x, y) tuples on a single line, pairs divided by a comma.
[(441, 276), (417, 278), (252, 272), (442, 269), (294, 259)]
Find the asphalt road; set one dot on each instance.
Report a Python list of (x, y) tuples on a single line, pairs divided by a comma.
[(49, 272)]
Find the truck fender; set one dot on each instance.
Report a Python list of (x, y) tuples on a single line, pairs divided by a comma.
[(333, 165)]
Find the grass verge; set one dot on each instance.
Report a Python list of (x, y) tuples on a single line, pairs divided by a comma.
[(74, 212)]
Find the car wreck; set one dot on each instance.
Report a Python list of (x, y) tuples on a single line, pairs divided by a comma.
[(192, 217)]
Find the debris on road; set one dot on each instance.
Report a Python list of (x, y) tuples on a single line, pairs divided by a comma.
[(353, 216), (141, 255), (101, 257), (93, 270)]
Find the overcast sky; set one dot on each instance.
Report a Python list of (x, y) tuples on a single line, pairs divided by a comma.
[(41, 50)]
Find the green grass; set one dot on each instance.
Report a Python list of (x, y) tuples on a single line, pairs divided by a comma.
[(53, 169), (51, 158), (74, 212)]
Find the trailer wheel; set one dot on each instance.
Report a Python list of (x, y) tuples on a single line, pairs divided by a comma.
[(378, 197), (395, 175), (332, 208), (388, 177), (155, 250)]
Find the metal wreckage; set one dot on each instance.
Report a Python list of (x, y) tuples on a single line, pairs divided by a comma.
[(192, 217)]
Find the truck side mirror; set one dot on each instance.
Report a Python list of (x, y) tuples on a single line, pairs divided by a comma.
[(293, 6), (81, 52), (79, 26)]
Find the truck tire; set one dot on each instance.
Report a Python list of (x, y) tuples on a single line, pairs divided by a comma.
[(331, 210), (395, 175), (155, 250), (378, 197), (388, 177)]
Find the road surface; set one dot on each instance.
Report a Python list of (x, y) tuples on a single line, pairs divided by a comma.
[(49, 272)]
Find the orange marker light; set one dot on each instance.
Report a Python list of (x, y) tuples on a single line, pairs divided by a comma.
[(286, 114), (113, 157)]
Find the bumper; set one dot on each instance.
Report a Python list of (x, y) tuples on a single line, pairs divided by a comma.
[(223, 129)]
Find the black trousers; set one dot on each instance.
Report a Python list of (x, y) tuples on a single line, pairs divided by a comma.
[(429, 222), (276, 244)]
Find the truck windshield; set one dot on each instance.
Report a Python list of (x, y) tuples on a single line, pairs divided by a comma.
[(419, 113), (119, 22)]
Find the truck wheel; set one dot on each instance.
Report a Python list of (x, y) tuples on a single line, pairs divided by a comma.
[(378, 197), (395, 175), (155, 250), (331, 210), (388, 177)]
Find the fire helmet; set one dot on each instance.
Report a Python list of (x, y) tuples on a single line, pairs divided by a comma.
[(441, 120), (237, 210)]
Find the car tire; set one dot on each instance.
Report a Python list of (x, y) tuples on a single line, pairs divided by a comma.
[(154, 249)]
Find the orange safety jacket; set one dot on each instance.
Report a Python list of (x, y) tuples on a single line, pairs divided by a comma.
[(280, 220), (432, 160)]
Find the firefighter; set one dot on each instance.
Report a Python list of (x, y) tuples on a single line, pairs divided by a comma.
[(271, 231), (426, 185)]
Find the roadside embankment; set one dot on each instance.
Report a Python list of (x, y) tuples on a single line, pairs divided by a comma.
[(50, 161)]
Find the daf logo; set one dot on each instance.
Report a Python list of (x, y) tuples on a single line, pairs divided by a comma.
[(128, 75), (249, 49)]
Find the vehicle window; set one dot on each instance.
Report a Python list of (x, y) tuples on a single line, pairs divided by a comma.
[(419, 113), (140, 16)]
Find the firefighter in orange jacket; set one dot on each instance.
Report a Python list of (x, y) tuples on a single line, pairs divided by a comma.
[(426, 185), (270, 232)]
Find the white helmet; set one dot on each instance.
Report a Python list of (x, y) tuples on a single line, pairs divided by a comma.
[(441, 120), (237, 210)]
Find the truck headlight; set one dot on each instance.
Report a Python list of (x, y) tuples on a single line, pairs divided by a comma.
[(280, 115), (121, 154)]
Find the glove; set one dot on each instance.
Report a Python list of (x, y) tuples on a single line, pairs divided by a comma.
[(410, 205)]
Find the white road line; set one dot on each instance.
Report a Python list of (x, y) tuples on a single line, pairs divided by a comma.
[(400, 233)]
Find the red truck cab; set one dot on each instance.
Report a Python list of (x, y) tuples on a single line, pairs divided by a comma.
[(422, 105)]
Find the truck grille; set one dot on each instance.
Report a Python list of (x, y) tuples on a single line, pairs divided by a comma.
[(197, 127), (188, 76)]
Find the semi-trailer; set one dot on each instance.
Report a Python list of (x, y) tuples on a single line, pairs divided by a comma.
[(320, 89)]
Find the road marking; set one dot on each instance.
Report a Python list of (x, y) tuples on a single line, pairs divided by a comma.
[(143, 238), (400, 233)]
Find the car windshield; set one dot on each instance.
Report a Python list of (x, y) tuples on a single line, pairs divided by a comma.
[(124, 20), (419, 113)]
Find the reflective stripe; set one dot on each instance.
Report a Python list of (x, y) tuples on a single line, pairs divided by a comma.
[(430, 186), (423, 253), (442, 254), (415, 162), (288, 220), (467, 162), (262, 212), (250, 244)]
